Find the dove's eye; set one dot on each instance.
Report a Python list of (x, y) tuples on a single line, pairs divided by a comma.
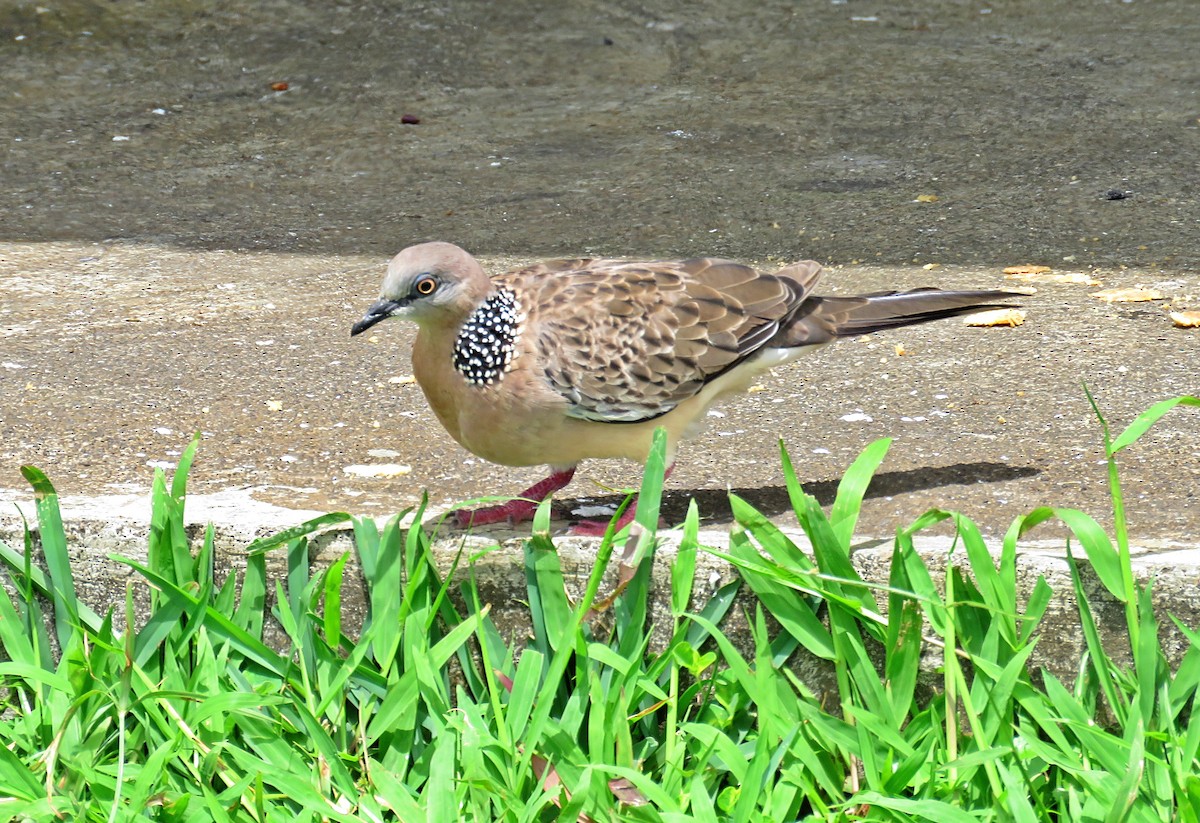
[(426, 285)]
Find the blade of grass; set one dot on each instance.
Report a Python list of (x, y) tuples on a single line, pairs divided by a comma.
[(54, 550), (285, 536), (253, 649), (1148, 418), (843, 516), (1096, 655), (683, 570), (785, 604)]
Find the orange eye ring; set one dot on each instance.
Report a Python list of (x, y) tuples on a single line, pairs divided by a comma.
[(425, 286)]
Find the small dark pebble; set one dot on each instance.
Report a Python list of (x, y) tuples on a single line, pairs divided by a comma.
[(608, 41), (409, 119), (1117, 194)]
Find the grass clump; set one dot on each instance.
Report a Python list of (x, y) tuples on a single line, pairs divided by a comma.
[(425, 712)]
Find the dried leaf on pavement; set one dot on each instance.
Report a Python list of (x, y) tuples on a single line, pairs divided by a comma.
[(1044, 275), (995, 317), (1186, 319), (1135, 295)]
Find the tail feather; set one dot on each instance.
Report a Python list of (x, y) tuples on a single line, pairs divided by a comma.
[(823, 319), (889, 310)]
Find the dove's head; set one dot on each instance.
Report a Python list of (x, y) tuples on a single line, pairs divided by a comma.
[(429, 283)]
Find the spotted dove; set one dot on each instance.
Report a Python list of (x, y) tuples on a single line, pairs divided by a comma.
[(571, 359)]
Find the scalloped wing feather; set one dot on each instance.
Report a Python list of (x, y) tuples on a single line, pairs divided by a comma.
[(627, 342)]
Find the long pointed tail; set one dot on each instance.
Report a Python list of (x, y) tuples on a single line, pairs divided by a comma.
[(824, 318), (888, 310)]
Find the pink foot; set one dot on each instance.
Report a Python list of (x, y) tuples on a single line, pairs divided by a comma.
[(512, 512), (598, 528), (520, 508)]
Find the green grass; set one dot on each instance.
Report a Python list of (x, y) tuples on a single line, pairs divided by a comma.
[(424, 712)]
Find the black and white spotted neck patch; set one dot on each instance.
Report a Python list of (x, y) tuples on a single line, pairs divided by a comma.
[(487, 342)]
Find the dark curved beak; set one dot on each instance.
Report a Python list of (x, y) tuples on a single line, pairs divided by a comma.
[(381, 310)]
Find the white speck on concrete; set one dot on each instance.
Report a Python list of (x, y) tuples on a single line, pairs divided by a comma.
[(594, 511), (377, 470)]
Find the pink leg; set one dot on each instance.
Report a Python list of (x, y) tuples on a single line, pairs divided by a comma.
[(520, 507), (597, 528)]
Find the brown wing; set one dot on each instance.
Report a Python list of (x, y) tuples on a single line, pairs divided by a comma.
[(625, 342)]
